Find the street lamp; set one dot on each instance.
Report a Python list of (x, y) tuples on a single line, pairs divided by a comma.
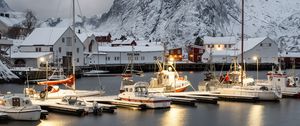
[(256, 59), (42, 59)]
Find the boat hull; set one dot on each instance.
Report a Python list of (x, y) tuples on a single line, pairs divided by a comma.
[(65, 92), (150, 103), (262, 95), (23, 114)]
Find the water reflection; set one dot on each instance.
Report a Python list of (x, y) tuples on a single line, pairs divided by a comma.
[(177, 116), (58, 120), (255, 117)]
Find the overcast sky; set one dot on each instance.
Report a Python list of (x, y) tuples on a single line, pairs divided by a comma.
[(60, 8)]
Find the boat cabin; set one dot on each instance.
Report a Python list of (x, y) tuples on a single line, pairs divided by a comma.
[(138, 89), (15, 101)]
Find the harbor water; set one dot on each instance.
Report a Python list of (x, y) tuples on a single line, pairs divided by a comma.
[(286, 112)]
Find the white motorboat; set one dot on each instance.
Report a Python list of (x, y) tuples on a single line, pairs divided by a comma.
[(94, 73), (19, 107), (168, 80), (75, 105), (138, 93), (289, 85)]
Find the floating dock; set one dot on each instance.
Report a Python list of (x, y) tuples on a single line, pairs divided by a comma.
[(226, 97), (202, 99), (106, 100)]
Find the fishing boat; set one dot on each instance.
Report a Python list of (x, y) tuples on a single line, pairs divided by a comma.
[(168, 80), (19, 107), (289, 85), (138, 93)]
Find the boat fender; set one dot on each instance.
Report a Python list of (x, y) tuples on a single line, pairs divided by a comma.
[(42, 94)]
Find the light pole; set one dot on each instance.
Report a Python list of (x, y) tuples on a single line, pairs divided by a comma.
[(42, 59), (256, 59)]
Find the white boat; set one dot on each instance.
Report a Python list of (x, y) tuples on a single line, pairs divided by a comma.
[(261, 90), (94, 73), (138, 93), (168, 80), (289, 85), (54, 92), (72, 104), (19, 107)]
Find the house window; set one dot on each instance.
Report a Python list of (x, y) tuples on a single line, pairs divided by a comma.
[(143, 58), (38, 49), (225, 46), (219, 46), (59, 49), (69, 41), (108, 58), (63, 40), (178, 51), (229, 46), (51, 49), (77, 50), (136, 58), (77, 60), (261, 44), (69, 53), (154, 58), (270, 44), (212, 46), (117, 58)]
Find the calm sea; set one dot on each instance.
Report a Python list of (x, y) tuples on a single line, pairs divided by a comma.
[(283, 113)]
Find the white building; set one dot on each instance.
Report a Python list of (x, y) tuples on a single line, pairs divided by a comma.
[(10, 19), (142, 53), (264, 49), (219, 43), (55, 40)]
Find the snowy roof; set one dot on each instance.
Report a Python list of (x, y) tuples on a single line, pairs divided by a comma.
[(83, 36), (44, 36), (29, 54), (138, 42), (248, 43), (128, 41), (129, 48), (235, 50), (219, 40), (11, 21)]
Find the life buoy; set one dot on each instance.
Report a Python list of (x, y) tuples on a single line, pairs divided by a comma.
[(42, 94)]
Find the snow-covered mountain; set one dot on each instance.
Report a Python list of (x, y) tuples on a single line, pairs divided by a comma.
[(4, 7), (180, 21)]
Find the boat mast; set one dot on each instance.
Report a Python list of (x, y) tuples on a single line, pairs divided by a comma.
[(73, 45), (242, 43)]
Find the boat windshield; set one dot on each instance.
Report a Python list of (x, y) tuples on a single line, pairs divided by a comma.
[(141, 90)]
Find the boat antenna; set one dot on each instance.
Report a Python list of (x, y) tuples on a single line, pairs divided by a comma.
[(73, 45), (242, 42)]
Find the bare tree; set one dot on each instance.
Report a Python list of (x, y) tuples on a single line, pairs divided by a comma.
[(29, 22)]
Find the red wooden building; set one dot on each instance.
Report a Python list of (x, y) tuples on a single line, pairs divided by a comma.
[(195, 53), (176, 53)]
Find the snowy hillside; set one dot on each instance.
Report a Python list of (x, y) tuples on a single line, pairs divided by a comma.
[(4, 7), (181, 21)]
